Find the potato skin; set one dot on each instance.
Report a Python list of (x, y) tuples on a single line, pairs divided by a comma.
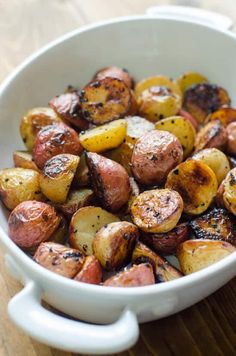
[(76, 199), (213, 134), (31, 223), (190, 118), (113, 244), (154, 155), (109, 180), (231, 135), (115, 72), (229, 191), (91, 271), (24, 159), (157, 210), (60, 259), (54, 140), (224, 115), (194, 255), (136, 276)]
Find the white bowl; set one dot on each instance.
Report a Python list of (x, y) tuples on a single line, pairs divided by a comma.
[(146, 46)]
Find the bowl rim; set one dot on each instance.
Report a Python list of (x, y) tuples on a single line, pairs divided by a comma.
[(24, 260)]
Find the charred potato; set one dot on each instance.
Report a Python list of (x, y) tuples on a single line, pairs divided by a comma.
[(60, 259), (229, 191), (18, 185), (113, 244), (189, 79), (224, 115), (157, 210), (57, 177), (110, 181), (196, 183), (31, 223), (115, 72), (24, 159), (61, 234), (76, 199), (91, 271), (194, 255), (84, 225), (33, 122), (212, 135), (231, 135)]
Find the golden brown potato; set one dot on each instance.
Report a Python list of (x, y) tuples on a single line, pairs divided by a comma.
[(61, 234), (18, 185), (91, 271), (196, 183), (84, 225), (163, 270), (57, 177), (189, 79), (224, 115), (202, 99), (33, 121), (194, 255), (157, 210), (60, 259), (105, 100), (76, 199), (82, 173), (24, 159), (109, 180), (54, 140), (212, 135), (136, 276), (231, 138), (190, 118), (115, 72), (31, 223), (229, 191), (133, 110), (154, 155), (113, 244), (219, 195)]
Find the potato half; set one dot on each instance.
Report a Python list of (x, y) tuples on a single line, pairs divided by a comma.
[(188, 79), (91, 271), (229, 191), (156, 81), (76, 199), (212, 135), (24, 159), (224, 115)]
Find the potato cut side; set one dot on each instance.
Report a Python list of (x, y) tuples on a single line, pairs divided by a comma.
[(212, 135), (224, 115), (156, 81), (76, 199), (188, 79), (229, 191), (84, 225), (24, 159)]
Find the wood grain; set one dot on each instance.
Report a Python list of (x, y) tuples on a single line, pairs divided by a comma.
[(209, 327)]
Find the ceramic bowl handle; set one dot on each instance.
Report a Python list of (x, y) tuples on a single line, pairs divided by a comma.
[(193, 14), (26, 311)]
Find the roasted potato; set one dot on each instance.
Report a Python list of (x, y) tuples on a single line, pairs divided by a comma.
[(105, 100), (154, 155), (57, 177), (163, 270), (61, 234), (231, 138), (104, 137), (216, 160), (84, 225), (182, 129), (188, 79), (76, 199), (54, 140), (91, 271), (24, 159), (194, 255), (67, 106), (81, 178), (212, 135), (190, 118), (219, 195), (157, 210), (60, 259), (33, 121), (31, 223), (196, 183), (136, 276), (229, 191), (168, 242), (18, 185), (113, 244), (110, 181), (115, 72), (224, 115), (203, 99)]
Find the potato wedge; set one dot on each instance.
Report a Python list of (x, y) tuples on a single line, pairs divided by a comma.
[(57, 177), (113, 244), (33, 121), (105, 100), (194, 255), (91, 271), (182, 129), (60, 259), (188, 79), (18, 185), (212, 135), (224, 115), (115, 72), (196, 183), (84, 225), (109, 180), (163, 270), (24, 159), (216, 160), (76, 199), (229, 191), (157, 210), (104, 137), (81, 178)]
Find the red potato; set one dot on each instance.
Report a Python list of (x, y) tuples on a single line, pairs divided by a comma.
[(115, 72), (60, 259), (54, 140), (31, 223), (136, 276), (190, 118), (212, 135), (91, 271), (110, 181), (231, 133), (155, 154)]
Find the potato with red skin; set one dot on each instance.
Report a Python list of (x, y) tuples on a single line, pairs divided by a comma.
[(231, 133), (109, 180), (31, 223), (59, 259), (136, 276), (91, 271), (54, 140), (190, 118), (115, 72), (212, 135), (155, 154)]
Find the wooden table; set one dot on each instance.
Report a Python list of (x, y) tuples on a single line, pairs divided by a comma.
[(208, 328)]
